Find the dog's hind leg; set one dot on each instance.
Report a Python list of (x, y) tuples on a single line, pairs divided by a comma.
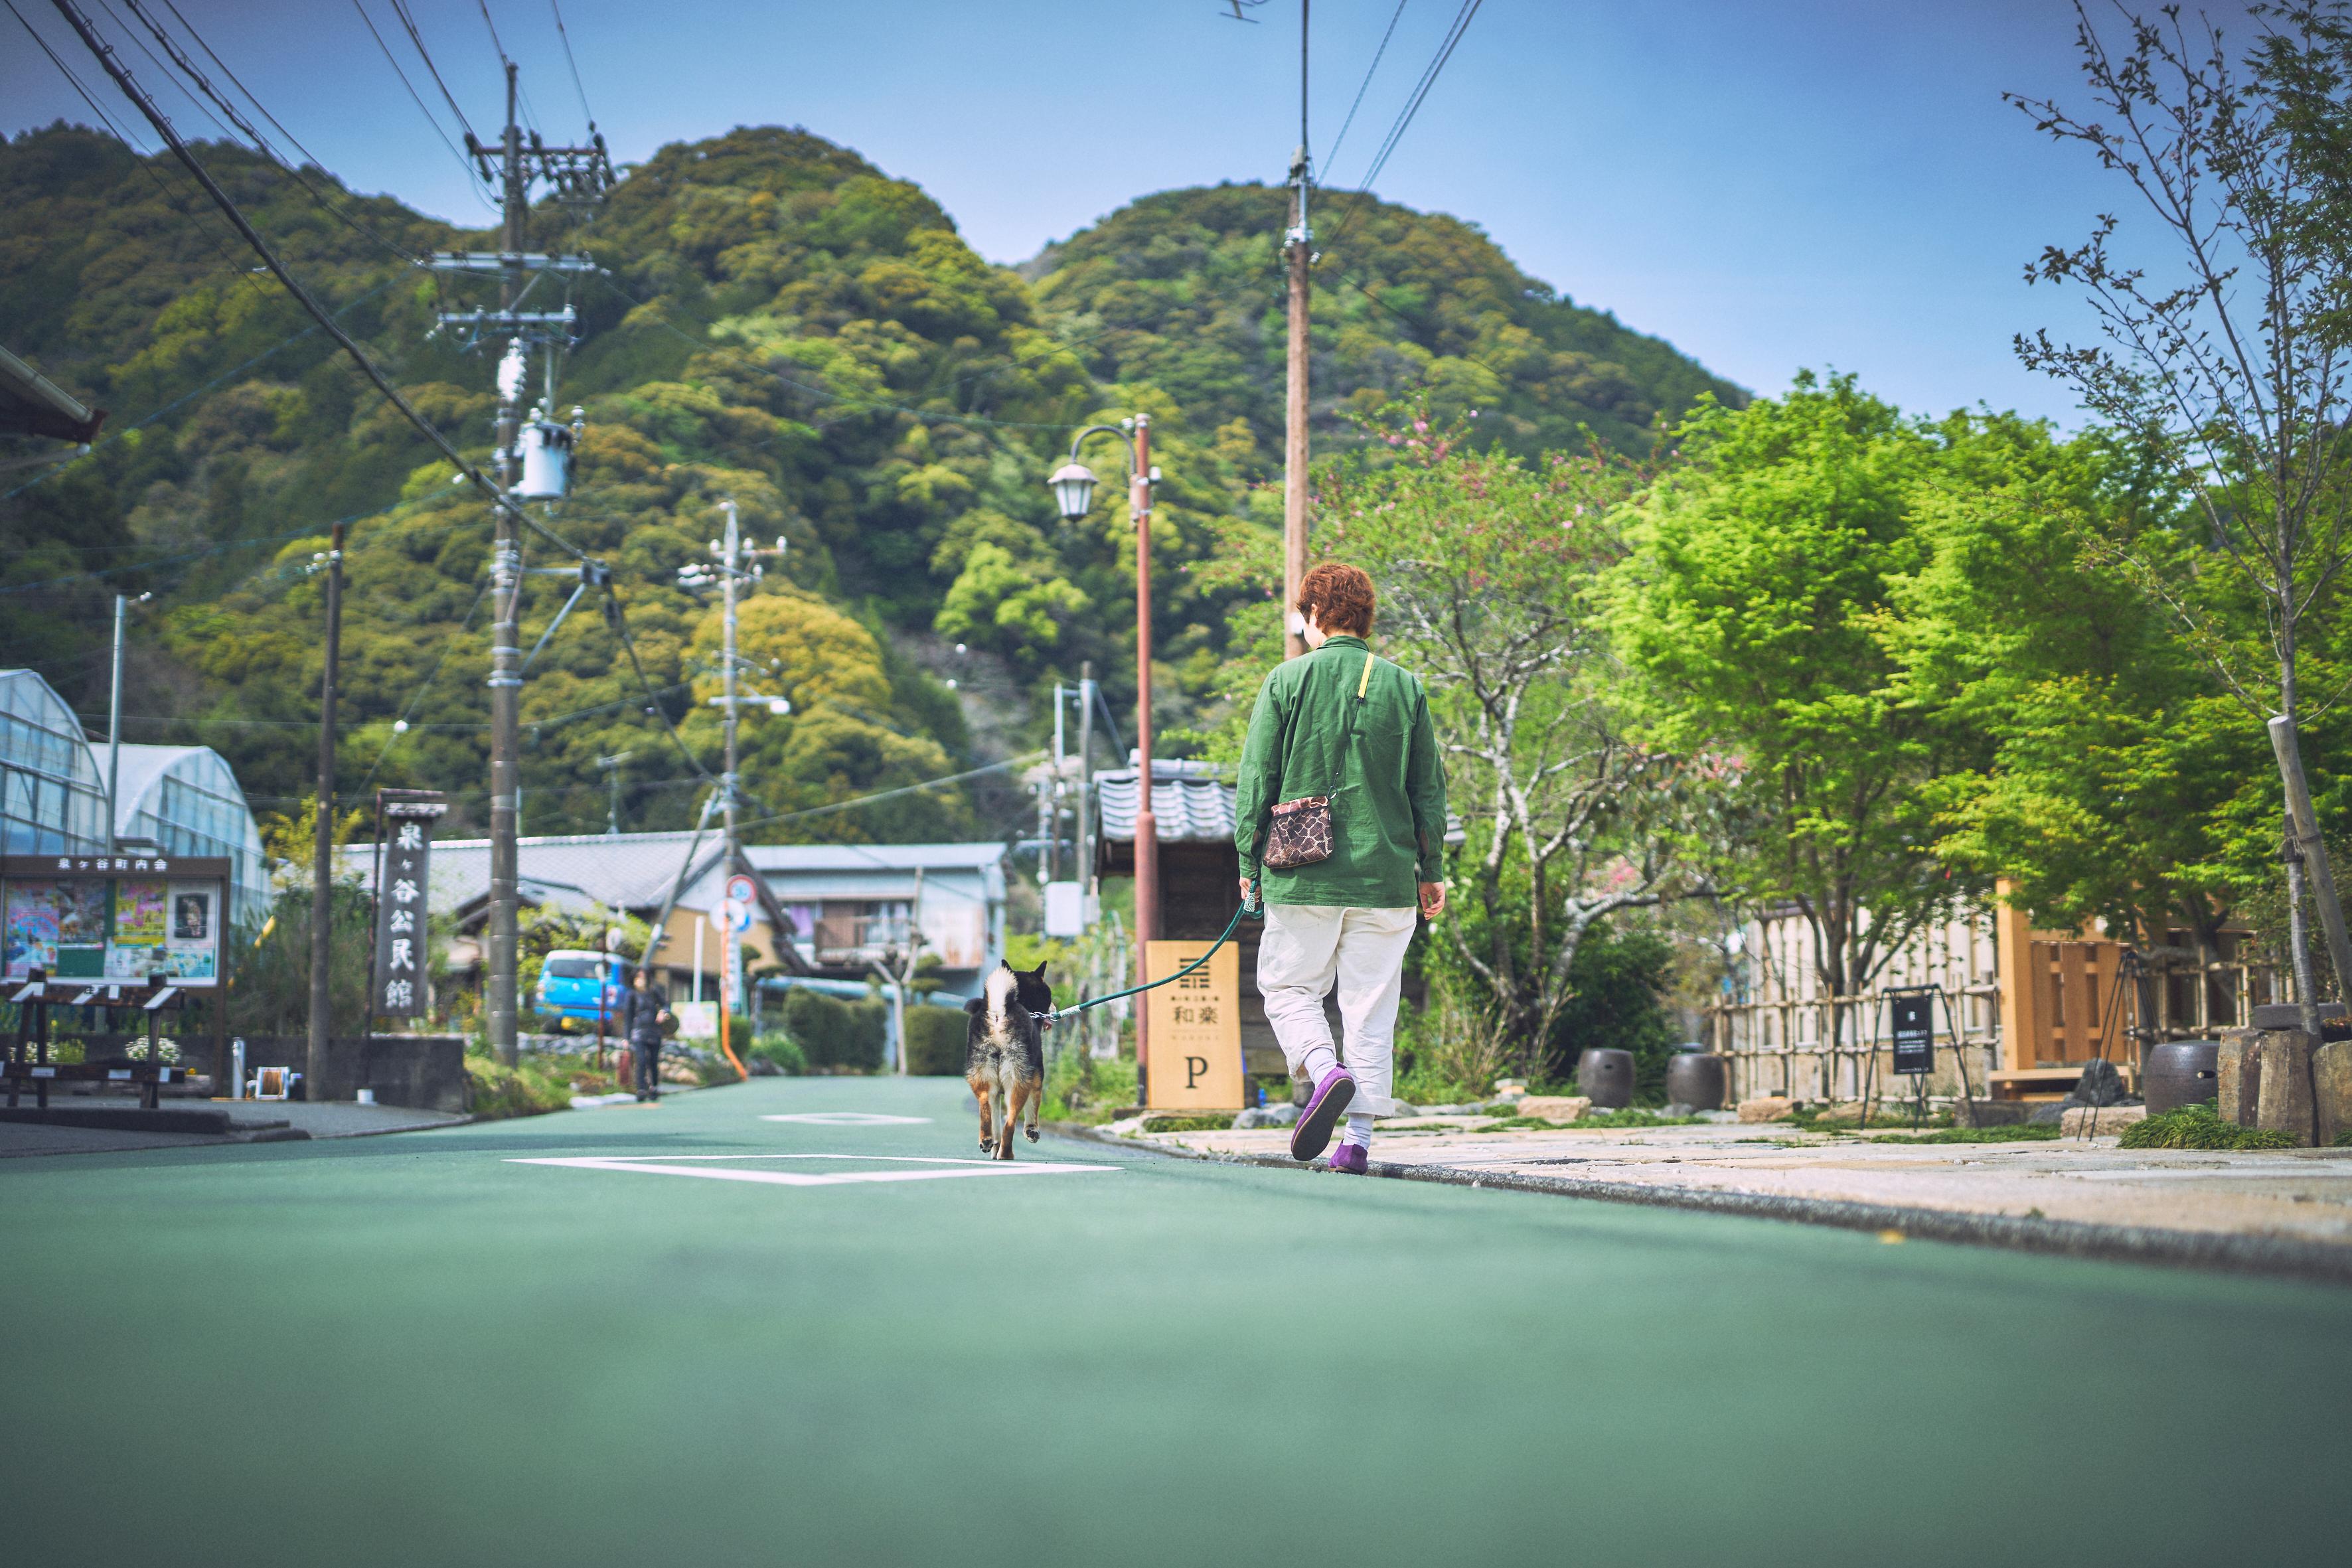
[(1012, 1089), (1037, 1096), (985, 1092)]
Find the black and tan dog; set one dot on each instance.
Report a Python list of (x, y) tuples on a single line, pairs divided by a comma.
[(1005, 1051)]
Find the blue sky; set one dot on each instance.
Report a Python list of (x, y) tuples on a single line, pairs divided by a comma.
[(1815, 182)]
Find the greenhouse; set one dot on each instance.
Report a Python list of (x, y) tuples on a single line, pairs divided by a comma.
[(52, 795), (186, 800)]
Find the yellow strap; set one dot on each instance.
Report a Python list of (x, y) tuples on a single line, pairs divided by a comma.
[(1364, 680)]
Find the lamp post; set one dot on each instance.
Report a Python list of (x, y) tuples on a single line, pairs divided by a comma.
[(1073, 485)]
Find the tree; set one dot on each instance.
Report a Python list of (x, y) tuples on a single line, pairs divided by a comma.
[(1748, 609), (1486, 566), (2229, 361), (2110, 763)]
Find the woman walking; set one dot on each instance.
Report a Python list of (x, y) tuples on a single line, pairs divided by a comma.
[(1341, 816)]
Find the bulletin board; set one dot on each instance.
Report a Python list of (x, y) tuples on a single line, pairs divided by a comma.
[(115, 920)]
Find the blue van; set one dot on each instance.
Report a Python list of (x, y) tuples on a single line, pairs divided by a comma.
[(571, 981)]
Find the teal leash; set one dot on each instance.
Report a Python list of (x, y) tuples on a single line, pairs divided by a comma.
[(1255, 910)]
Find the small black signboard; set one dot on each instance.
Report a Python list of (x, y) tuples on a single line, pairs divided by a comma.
[(403, 874), (1914, 1030)]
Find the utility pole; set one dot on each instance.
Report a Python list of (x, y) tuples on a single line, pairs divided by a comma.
[(1300, 244), (115, 730), (316, 1068), (1081, 832), (584, 173), (1147, 824), (729, 559)]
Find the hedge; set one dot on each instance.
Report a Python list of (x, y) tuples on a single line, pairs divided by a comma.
[(834, 1034), (935, 1040)]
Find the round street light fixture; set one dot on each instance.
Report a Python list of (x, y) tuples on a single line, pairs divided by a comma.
[(1073, 485)]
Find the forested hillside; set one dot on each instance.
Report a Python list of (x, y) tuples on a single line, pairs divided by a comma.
[(778, 324), (1185, 289)]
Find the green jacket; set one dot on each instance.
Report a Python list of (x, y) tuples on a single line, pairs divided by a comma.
[(1378, 762)]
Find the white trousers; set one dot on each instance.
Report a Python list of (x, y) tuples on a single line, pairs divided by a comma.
[(1309, 948)]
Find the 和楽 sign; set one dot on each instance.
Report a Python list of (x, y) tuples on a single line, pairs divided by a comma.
[(404, 876), (1912, 1020), (1196, 1029)]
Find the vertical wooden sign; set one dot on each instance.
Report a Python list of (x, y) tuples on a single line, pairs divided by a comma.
[(1196, 1028), (403, 877)]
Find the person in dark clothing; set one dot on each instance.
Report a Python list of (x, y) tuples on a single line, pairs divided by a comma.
[(644, 1011)]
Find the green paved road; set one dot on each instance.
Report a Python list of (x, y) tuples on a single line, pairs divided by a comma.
[(413, 1350)]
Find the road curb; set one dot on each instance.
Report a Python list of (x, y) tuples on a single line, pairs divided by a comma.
[(2284, 1257)]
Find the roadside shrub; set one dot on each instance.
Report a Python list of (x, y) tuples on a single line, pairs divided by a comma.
[(1206, 1121), (781, 1052), (835, 1036), (2200, 1126), (1080, 1088), (535, 1087), (935, 1041)]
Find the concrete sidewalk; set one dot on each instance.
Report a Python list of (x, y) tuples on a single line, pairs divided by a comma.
[(2289, 1209), (246, 1121)]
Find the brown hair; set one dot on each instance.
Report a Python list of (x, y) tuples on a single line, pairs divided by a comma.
[(1339, 598)]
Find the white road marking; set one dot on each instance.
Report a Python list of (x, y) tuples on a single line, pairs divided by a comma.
[(848, 1118), (934, 1169)]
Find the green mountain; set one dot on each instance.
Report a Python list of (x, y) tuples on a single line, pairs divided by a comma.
[(778, 324), (1185, 289)]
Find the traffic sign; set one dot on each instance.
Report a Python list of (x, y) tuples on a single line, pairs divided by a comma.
[(739, 891), (735, 916)]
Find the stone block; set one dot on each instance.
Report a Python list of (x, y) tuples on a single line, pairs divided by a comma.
[(2099, 1121), (2331, 1091), (1765, 1108), (2240, 1066), (1553, 1107), (2284, 1101)]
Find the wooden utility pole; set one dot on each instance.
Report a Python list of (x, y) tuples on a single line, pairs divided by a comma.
[(1147, 825), (506, 629), (316, 1069), (1300, 246)]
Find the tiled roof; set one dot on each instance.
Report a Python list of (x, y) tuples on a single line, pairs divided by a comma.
[(635, 871), (1192, 803)]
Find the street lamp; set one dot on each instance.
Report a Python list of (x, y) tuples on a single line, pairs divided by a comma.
[(1073, 485)]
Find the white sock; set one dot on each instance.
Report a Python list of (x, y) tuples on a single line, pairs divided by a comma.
[(1320, 1059), (1360, 1128)]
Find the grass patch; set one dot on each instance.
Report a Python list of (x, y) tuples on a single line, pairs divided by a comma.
[(1591, 1122), (2344, 1139), (1080, 1088), (2016, 1132), (2200, 1126), (536, 1087), (1217, 1121)]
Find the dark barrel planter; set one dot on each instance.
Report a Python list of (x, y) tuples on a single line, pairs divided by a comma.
[(1698, 1079), (1607, 1076), (2180, 1072)]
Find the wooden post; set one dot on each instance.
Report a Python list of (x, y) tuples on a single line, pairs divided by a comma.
[(1147, 825)]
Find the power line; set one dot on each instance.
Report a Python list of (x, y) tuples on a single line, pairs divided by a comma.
[(473, 175), (146, 165), (400, 9), (1360, 86), (888, 794), (493, 26), (565, 33), (1421, 91), (123, 79), (447, 646), (1404, 119), (260, 142)]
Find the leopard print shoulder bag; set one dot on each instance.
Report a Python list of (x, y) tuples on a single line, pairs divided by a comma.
[(1302, 833)]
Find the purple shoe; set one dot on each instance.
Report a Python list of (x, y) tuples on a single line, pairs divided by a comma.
[(1313, 1133), (1352, 1158)]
